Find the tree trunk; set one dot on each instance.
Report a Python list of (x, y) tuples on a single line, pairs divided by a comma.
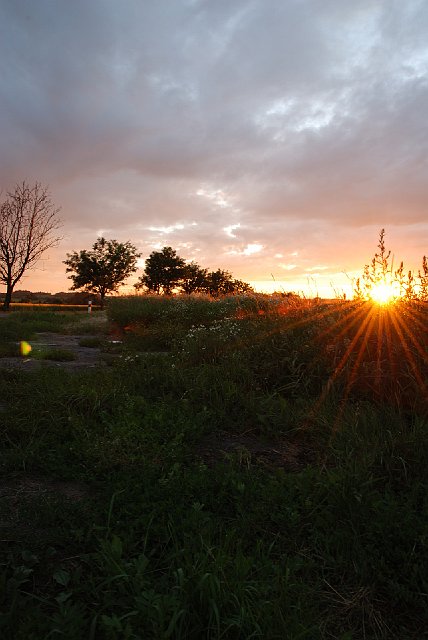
[(7, 297)]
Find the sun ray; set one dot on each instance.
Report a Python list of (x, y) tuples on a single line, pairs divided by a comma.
[(372, 317), (409, 355), (379, 349), (371, 343), (337, 371)]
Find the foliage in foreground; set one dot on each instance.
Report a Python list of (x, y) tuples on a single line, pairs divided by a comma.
[(138, 529), (23, 324), (400, 284)]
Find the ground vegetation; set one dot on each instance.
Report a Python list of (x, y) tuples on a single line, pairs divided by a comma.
[(244, 467)]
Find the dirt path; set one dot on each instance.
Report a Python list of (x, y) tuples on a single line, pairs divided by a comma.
[(84, 357)]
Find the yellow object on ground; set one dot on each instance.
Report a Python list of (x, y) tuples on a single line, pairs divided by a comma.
[(24, 348)]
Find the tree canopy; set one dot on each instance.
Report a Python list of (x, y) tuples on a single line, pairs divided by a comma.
[(28, 223), (166, 272), (194, 278), (102, 269), (163, 271), (220, 283)]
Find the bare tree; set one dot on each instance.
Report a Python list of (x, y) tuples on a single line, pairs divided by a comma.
[(28, 224)]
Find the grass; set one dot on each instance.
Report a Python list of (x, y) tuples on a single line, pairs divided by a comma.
[(119, 521), (9, 349), (93, 342), (54, 353), (23, 324)]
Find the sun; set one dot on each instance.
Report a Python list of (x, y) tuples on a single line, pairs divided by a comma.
[(383, 293)]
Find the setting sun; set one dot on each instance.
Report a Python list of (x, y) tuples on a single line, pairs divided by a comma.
[(383, 293)]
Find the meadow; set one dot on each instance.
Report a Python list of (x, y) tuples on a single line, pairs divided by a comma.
[(241, 467)]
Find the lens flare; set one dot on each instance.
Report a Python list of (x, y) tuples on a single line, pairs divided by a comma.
[(24, 348), (383, 293)]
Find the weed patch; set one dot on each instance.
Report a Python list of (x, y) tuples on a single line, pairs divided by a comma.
[(271, 484), (57, 354), (92, 342), (9, 350)]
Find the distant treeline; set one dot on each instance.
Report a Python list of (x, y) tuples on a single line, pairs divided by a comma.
[(82, 297), (62, 297)]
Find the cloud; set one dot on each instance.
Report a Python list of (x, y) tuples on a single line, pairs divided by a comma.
[(287, 267), (302, 124), (230, 229), (167, 230)]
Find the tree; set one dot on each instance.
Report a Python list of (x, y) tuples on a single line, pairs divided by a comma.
[(239, 286), (163, 271), (103, 269), (194, 278), (220, 283), (28, 224)]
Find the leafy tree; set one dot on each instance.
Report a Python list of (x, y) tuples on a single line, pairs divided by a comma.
[(104, 268), (221, 282), (194, 278), (163, 271), (28, 223), (242, 287)]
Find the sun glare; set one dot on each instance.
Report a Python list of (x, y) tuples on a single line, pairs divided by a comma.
[(383, 293)]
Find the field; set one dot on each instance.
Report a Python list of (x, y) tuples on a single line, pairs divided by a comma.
[(244, 467)]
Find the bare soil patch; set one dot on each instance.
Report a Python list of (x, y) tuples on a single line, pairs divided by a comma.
[(250, 450), (15, 493), (30, 487)]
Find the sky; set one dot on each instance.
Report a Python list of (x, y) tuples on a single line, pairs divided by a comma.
[(271, 138)]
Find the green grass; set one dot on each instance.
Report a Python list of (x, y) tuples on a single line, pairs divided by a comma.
[(167, 539), (23, 324), (58, 354), (93, 342), (95, 325), (9, 349)]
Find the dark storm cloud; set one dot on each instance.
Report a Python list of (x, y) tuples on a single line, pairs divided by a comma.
[(301, 115)]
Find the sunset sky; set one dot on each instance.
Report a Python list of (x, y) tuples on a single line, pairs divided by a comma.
[(272, 138)]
